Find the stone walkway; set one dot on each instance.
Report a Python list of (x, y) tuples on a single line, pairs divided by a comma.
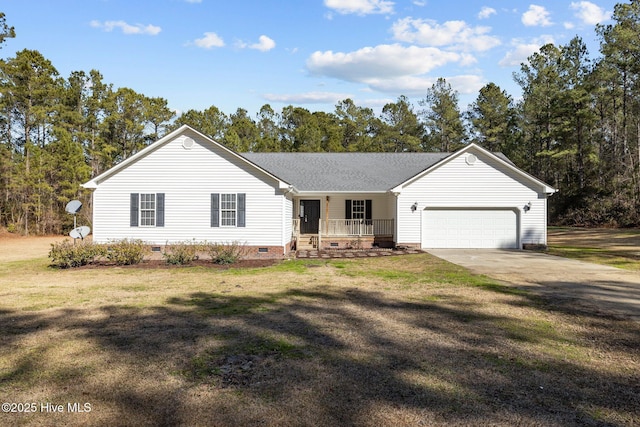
[(353, 253)]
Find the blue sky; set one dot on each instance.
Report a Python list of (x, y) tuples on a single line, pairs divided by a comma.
[(308, 53)]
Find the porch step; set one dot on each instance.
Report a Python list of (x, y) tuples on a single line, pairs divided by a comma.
[(307, 242)]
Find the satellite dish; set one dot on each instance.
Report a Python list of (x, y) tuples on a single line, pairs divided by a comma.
[(80, 232), (73, 207)]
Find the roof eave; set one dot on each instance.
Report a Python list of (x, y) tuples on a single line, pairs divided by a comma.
[(320, 192), (90, 185)]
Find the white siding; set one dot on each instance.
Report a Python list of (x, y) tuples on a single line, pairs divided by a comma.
[(187, 178), (485, 184)]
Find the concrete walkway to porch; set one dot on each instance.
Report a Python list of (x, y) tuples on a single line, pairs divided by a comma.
[(346, 253)]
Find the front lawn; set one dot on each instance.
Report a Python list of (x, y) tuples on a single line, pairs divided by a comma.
[(400, 340)]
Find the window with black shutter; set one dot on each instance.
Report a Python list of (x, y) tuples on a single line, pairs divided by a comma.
[(228, 210), (146, 210)]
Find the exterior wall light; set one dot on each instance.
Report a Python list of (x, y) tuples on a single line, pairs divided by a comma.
[(527, 207), (414, 207)]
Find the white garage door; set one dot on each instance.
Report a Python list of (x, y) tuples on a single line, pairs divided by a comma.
[(469, 228)]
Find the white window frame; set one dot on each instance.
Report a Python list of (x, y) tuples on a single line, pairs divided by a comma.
[(147, 210), (358, 209), (228, 210)]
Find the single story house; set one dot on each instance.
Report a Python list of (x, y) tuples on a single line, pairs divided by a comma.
[(187, 187)]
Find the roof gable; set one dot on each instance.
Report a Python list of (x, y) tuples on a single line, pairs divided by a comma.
[(183, 130), (498, 157)]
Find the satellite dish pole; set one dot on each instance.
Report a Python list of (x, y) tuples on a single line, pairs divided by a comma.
[(73, 207)]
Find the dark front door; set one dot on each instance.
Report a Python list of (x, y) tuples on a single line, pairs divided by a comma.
[(309, 216)]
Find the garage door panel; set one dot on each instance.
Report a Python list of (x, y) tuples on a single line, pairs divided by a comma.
[(469, 228)]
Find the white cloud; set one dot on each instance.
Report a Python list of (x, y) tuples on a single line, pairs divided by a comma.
[(466, 84), (360, 7), (210, 40), (307, 98), (128, 29), (264, 44), (380, 62), (414, 86), (467, 59), (486, 12), (454, 34), (407, 85), (536, 16), (522, 51), (589, 13), (518, 55)]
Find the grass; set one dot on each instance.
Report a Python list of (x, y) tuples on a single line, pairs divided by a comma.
[(408, 340), (614, 247), (621, 259)]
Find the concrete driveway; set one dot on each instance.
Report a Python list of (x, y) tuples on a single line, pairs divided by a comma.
[(574, 285)]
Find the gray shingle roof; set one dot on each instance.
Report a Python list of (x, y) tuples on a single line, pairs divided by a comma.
[(358, 172)]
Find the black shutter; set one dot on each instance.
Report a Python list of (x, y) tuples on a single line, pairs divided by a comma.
[(347, 209), (133, 221), (367, 209), (215, 210), (241, 209), (160, 210)]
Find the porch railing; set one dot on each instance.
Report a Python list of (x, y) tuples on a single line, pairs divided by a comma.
[(357, 227), (350, 227)]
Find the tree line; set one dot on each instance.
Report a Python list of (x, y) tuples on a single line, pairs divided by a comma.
[(576, 127)]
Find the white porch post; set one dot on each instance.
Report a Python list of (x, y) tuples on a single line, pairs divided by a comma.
[(397, 217), (326, 215)]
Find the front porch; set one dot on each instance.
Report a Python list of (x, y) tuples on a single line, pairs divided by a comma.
[(344, 234)]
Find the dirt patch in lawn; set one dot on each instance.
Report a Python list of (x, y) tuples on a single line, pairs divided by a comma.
[(16, 248)]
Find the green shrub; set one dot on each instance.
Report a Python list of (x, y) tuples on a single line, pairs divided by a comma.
[(181, 253), (225, 253), (126, 251), (68, 254)]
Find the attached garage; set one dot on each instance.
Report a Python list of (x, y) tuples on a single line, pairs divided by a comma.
[(470, 228)]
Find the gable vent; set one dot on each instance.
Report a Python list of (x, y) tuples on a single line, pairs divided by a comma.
[(187, 143), (471, 159)]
